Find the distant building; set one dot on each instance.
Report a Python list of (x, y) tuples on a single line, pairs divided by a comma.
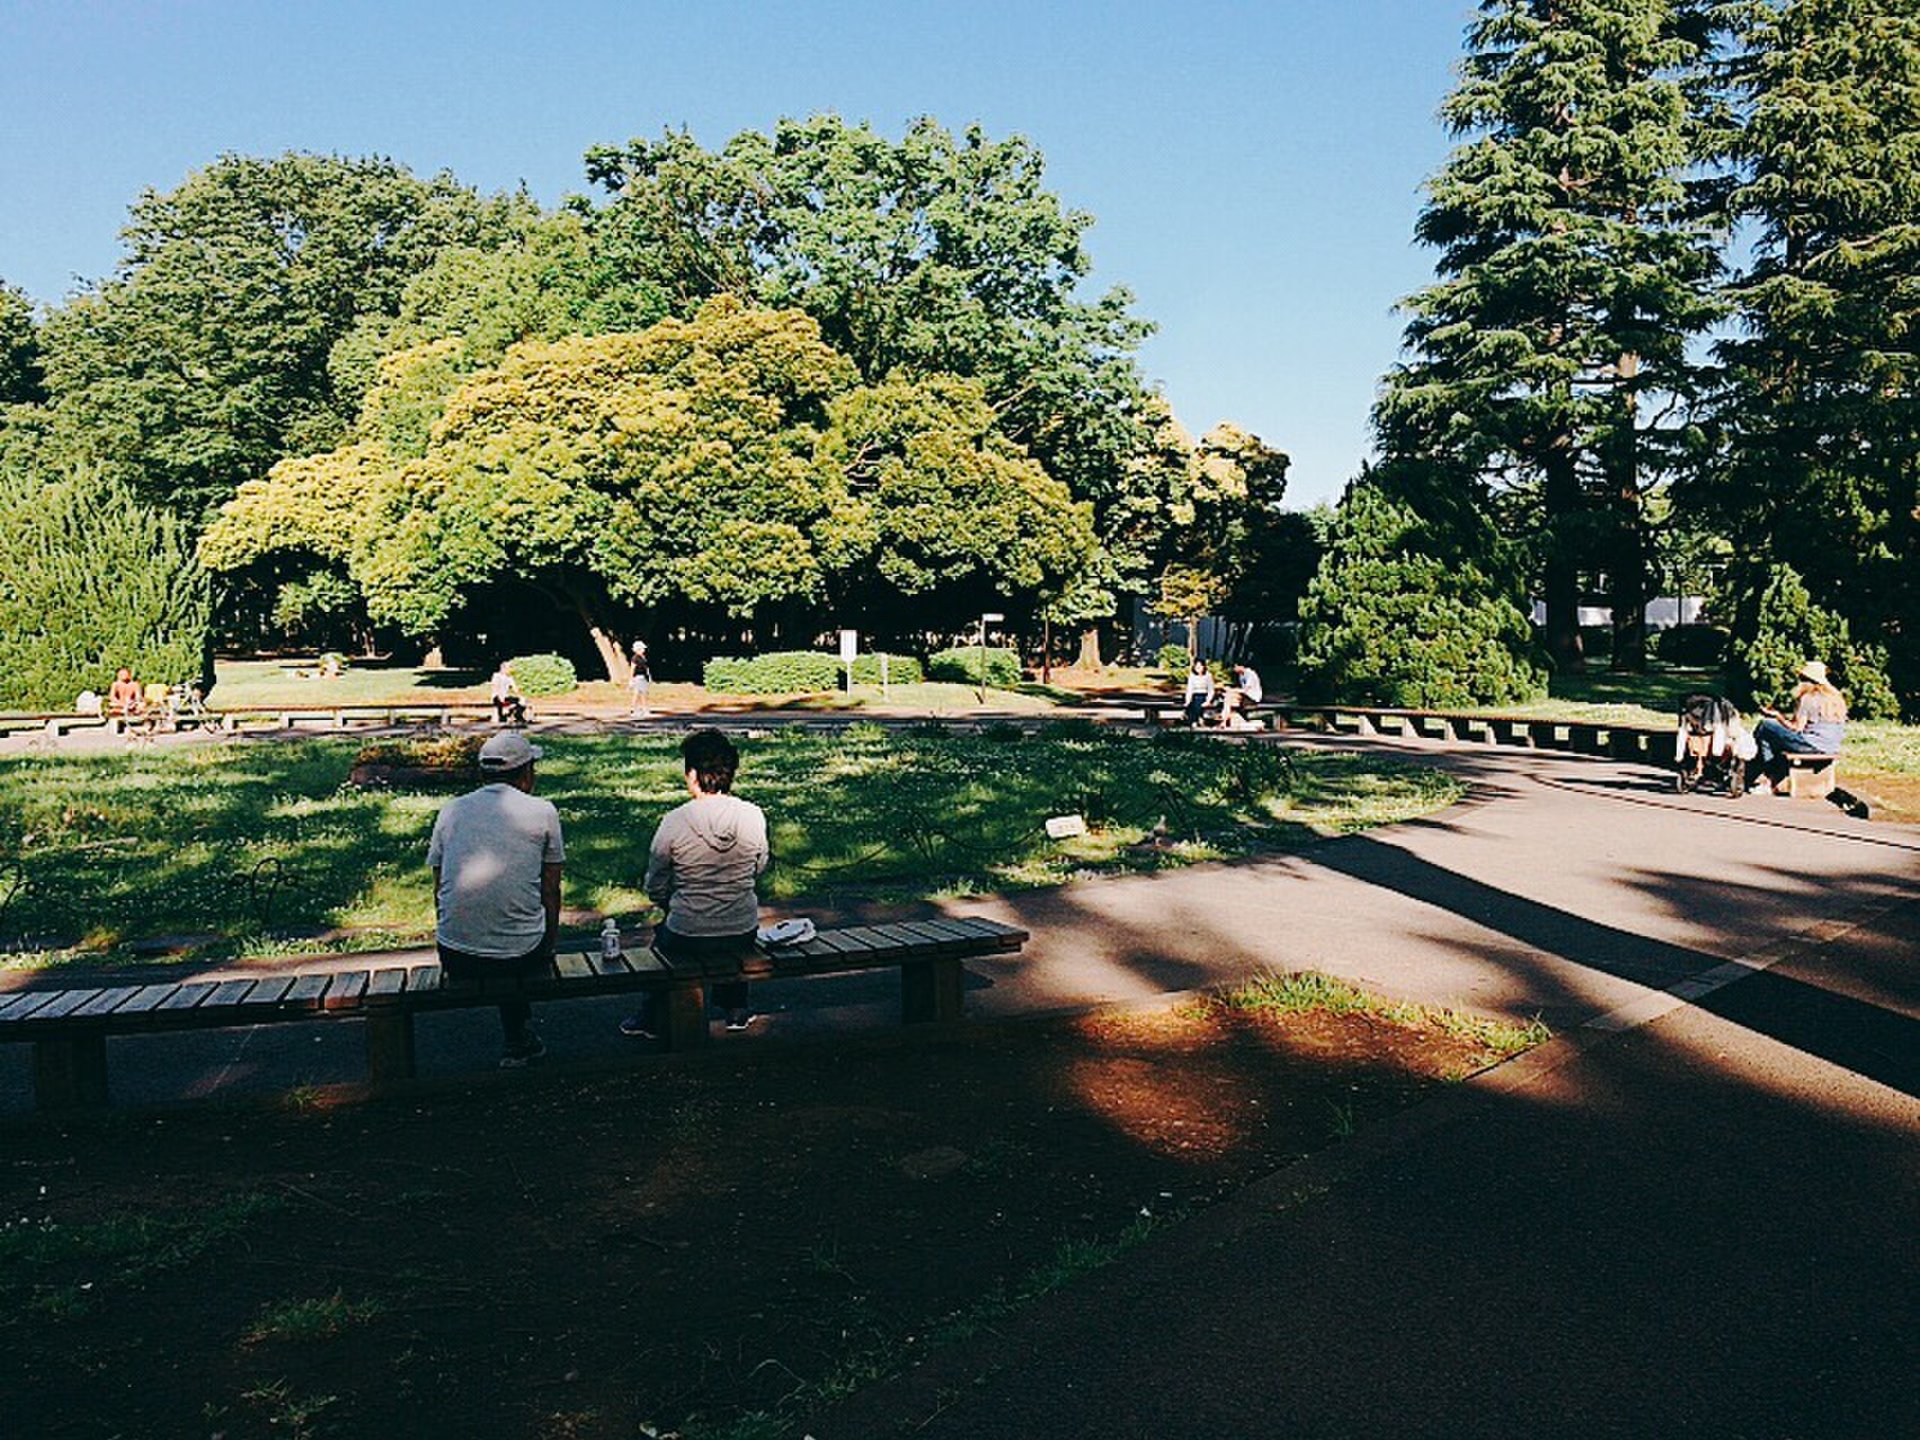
[(1663, 613)]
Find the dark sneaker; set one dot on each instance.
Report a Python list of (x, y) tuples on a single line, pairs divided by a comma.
[(638, 1027), (738, 1020), (524, 1054)]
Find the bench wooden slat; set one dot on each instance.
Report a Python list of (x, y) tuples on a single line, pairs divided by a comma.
[(267, 993), (600, 964), (945, 935), (227, 994), (306, 992), (21, 1003), (30, 1004), (385, 984), (572, 966), (64, 1002), (147, 998), (107, 1001), (839, 942), (422, 979), (645, 962), (188, 996), (904, 936), (344, 990)]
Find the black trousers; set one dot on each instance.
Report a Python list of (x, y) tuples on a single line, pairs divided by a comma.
[(515, 1015)]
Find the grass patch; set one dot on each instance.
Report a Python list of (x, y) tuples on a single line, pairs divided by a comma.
[(62, 1271), (323, 1317), (258, 847), (1310, 990)]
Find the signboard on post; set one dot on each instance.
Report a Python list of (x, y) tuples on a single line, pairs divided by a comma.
[(849, 648)]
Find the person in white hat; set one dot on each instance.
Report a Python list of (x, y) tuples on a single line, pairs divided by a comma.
[(496, 854), (1816, 727)]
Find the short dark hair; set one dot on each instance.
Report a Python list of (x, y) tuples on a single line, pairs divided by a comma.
[(712, 759)]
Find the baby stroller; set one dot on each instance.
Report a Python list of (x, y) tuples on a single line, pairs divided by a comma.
[(1711, 746)]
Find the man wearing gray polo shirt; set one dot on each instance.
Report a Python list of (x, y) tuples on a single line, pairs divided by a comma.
[(496, 855)]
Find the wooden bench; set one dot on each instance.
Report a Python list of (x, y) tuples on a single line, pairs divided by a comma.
[(69, 1029), (1810, 775)]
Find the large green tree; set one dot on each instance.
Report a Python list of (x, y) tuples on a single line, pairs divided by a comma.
[(934, 254), (21, 378), (731, 463), (204, 359), (1821, 406), (1397, 615), (1574, 266), (92, 580)]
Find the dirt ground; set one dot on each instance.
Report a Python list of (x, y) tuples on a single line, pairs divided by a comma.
[(707, 1245)]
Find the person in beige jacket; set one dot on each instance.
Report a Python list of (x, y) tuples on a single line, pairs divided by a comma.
[(702, 869)]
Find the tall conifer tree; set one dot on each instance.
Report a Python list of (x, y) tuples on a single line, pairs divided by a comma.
[(1821, 404), (1573, 268)]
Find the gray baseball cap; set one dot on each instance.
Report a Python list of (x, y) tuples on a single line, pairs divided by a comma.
[(507, 751)]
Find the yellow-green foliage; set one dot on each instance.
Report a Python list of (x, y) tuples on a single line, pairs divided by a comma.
[(729, 459)]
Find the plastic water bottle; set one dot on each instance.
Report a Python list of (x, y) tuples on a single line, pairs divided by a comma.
[(610, 940)]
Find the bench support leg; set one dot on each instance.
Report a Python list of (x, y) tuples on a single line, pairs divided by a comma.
[(931, 990), (681, 1013), (70, 1073), (389, 1047)]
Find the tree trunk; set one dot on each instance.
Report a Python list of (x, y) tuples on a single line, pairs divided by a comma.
[(1089, 658), (1629, 565), (1561, 577), (613, 654)]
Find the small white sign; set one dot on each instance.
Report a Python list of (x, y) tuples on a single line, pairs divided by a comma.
[(849, 645), (1065, 827)]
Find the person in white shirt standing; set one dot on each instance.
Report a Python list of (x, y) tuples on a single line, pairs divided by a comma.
[(702, 869), (496, 854)]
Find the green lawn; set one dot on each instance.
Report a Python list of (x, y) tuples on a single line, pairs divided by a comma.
[(245, 683), (261, 845)]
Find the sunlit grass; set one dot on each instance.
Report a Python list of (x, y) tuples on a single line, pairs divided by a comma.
[(260, 846), (1305, 990)]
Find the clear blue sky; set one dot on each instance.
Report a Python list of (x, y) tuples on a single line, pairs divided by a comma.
[(1254, 168)]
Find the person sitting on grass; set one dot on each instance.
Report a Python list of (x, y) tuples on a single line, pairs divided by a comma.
[(1816, 727), (496, 854), (701, 869), (1199, 690)]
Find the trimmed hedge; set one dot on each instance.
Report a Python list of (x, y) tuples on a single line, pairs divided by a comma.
[(543, 674), (901, 670), (1174, 660), (1702, 646), (782, 672), (963, 665)]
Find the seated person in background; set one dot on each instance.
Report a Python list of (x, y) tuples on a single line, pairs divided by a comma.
[(1241, 696), (1816, 727), (124, 698), (509, 706), (1199, 690), (703, 864), (496, 854)]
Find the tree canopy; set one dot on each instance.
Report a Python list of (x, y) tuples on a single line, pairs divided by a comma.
[(731, 461)]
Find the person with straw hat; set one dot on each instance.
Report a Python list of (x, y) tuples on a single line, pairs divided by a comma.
[(1816, 727)]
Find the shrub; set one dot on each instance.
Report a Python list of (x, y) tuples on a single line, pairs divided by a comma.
[(1174, 660), (781, 672), (1387, 622), (92, 581), (1694, 646), (544, 674), (1788, 630), (964, 664), (901, 670)]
